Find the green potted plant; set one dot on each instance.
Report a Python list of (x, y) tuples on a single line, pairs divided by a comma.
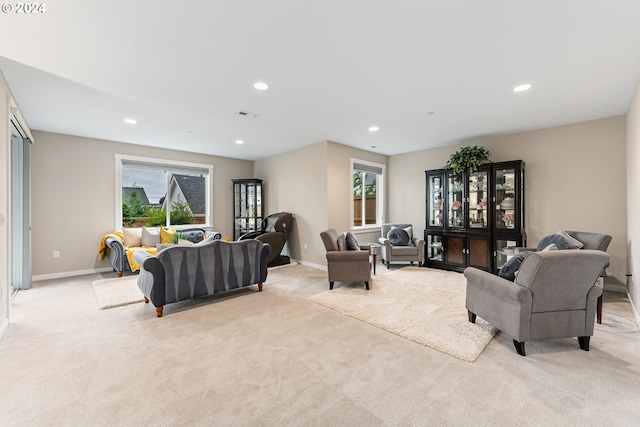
[(468, 158)]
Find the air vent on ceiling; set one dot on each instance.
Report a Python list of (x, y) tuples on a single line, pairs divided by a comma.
[(247, 114)]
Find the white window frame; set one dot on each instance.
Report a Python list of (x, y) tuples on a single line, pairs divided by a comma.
[(380, 194), (120, 158)]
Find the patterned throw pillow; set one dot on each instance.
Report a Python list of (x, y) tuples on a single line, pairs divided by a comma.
[(351, 241), (166, 236)]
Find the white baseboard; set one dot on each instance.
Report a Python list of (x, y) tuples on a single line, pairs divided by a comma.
[(4, 327), (634, 310), (312, 265), (69, 274)]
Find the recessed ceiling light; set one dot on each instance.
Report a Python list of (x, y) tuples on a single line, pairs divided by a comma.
[(261, 86), (522, 88), (239, 141), (131, 121), (374, 129), (430, 113)]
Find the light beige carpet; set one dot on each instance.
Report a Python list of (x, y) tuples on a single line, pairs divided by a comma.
[(117, 292), (421, 304)]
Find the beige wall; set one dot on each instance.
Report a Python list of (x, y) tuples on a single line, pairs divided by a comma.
[(73, 197), (575, 179), (314, 184), (5, 166), (633, 198)]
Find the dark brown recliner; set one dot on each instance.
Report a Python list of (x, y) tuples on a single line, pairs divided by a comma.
[(274, 230), (345, 265)]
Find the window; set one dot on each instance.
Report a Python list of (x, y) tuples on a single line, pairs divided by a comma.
[(152, 192), (368, 193)]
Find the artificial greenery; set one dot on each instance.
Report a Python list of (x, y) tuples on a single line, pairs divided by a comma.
[(468, 158)]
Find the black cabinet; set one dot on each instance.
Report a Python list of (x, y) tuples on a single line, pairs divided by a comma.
[(474, 218), (247, 206)]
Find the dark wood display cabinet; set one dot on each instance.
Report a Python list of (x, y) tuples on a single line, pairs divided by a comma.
[(474, 218), (247, 206)]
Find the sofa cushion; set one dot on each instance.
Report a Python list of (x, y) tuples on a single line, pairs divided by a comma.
[(398, 237), (510, 268), (132, 236), (150, 236)]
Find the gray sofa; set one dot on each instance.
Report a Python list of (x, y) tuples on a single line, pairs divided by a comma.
[(181, 272), (554, 296), (120, 262)]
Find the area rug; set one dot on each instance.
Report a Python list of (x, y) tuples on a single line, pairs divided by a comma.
[(117, 292), (421, 304)]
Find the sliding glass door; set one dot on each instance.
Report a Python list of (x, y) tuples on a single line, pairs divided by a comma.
[(20, 213)]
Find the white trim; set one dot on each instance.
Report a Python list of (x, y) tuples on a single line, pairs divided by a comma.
[(312, 265), (20, 121), (381, 187), (4, 327), (119, 158), (64, 274)]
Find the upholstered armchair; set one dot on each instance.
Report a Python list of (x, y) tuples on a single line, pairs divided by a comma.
[(553, 296), (345, 265), (394, 250), (594, 241), (274, 230)]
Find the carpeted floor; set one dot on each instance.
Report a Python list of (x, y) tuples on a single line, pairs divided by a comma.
[(274, 358), (421, 304)]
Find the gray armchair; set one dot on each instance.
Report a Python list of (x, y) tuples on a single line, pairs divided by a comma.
[(413, 251), (554, 296), (594, 241), (346, 265)]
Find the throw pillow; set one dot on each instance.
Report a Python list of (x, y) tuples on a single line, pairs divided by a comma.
[(342, 242), (185, 242), (409, 231), (573, 243), (166, 236), (551, 247), (398, 237), (163, 246), (351, 241), (150, 236), (132, 236), (510, 268), (558, 240)]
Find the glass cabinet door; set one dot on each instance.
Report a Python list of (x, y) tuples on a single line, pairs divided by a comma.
[(503, 251), (434, 248), (434, 200), (505, 199), (478, 200), (455, 201)]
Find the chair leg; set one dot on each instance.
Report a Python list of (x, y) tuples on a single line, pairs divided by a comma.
[(599, 310), (519, 347), (330, 286), (159, 311), (366, 285), (584, 343), (472, 317)]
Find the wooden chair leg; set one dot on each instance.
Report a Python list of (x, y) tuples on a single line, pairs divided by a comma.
[(119, 273), (519, 347), (599, 309), (330, 285), (366, 285), (259, 287), (159, 311)]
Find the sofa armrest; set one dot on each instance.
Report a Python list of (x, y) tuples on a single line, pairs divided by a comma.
[(496, 285), (347, 255), (151, 279), (116, 253)]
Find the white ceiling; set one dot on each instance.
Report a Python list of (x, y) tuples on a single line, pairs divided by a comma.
[(335, 67)]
